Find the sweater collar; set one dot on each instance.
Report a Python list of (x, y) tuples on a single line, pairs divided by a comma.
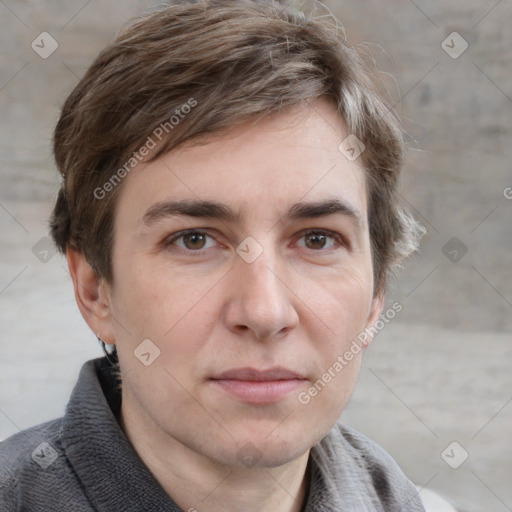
[(113, 476)]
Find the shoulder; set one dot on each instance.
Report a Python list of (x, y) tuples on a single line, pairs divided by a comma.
[(36, 468), (365, 449), (371, 468), (29, 461), (17, 451)]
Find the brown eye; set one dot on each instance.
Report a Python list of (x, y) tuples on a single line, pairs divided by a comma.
[(315, 241), (320, 240), (194, 241)]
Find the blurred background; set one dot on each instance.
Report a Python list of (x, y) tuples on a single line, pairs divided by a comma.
[(436, 385)]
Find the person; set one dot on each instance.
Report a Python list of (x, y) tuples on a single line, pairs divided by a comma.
[(230, 215)]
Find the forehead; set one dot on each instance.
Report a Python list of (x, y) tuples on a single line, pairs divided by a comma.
[(259, 168)]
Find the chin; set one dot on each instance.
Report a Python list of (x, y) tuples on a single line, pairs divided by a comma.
[(275, 445), (265, 452)]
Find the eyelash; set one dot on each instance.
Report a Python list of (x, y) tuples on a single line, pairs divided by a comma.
[(341, 242)]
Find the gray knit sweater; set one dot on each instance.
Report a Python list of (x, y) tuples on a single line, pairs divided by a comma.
[(83, 462)]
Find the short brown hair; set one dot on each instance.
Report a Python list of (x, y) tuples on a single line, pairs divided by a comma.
[(230, 60)]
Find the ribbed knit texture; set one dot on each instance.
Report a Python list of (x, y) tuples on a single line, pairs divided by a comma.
[(96, 468)]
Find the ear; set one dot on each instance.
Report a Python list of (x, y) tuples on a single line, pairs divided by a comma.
[(92, 295), (376, 307)]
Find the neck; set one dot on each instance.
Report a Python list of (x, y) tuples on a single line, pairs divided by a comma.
[(197, 483)]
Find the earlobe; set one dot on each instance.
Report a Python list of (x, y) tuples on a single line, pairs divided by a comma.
[(92, 296), (376, 307)]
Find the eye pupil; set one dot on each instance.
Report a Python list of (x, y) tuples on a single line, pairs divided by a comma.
[(315, 241), (194, 240)]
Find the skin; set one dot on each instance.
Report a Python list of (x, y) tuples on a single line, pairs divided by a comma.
[(299, 305)]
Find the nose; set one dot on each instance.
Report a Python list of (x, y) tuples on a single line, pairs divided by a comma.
[(260, 301)]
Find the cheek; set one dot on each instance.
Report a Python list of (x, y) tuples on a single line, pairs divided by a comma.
[(343, 302), (343, 305), (330, 390), (155, 300)]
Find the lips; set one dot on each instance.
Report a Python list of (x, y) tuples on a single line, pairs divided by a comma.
[(250, 374), (258, 386)]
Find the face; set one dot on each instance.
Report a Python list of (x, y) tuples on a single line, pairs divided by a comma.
[(246, 262)]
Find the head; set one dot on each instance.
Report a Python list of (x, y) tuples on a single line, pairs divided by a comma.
[(210, 207)]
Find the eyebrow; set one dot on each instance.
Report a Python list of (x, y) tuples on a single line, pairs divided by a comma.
[(214, 210)]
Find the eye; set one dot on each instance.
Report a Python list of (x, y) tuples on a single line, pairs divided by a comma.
[(192, 241), (318, 240)]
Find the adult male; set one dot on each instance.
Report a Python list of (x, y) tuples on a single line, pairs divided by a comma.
[(229, 215)]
